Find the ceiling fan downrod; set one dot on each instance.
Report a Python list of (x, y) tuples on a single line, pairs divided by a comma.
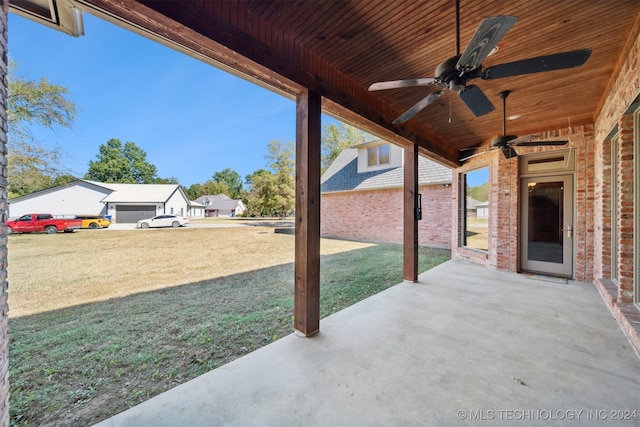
[(503, 140)]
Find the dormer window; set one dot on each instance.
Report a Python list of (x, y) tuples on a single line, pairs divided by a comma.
[(378, 155)]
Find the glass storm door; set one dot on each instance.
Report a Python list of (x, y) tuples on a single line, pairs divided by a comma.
[(547, 225)]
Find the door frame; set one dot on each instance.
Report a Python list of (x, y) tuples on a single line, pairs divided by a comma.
[(547, 166)]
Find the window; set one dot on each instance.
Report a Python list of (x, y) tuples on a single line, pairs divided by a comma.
[(383, 154), (547, 162), (476, 209), (378, 155)]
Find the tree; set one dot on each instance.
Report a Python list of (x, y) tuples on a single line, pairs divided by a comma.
[(170, 180), (336, 138), (126, 164), (37, 103), (64, 180), (30, 165), (232, 179), (261, 197), (206, 188), (272, 192), (249, 178), (281, 158), (479, 192), (252, 197)]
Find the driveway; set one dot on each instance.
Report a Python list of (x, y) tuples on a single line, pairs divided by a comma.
[(190, 225)]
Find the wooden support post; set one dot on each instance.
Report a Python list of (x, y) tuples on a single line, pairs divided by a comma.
[(410, 237), (307, 238)]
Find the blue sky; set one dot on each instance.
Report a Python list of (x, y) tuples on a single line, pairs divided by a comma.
[(192, 119)]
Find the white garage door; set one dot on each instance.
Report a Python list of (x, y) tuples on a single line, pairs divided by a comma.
[(134, 213)]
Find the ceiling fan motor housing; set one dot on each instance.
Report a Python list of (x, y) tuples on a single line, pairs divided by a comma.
[(447, 75)]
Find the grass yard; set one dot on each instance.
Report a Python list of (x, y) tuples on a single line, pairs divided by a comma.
[(101, 320)]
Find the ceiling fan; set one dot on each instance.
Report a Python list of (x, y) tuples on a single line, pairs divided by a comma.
[(507, 142), (454, 73)]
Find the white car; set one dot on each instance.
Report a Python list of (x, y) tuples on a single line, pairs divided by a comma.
[(174, 221)]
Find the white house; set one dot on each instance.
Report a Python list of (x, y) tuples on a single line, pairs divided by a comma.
[(124, 203), (221, 205), (482, 210)]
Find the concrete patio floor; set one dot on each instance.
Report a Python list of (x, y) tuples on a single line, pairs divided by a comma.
[(464, 346)]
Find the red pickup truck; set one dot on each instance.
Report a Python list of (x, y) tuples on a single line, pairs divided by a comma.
[(31, 223)]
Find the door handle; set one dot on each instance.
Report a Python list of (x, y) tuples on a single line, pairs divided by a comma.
[(569, 232)]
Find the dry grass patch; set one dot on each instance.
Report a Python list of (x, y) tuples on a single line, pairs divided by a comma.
[(478, 233), (48, 272), (104, 320)]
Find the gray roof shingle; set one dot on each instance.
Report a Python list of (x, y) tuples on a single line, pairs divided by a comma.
[(342, 174)]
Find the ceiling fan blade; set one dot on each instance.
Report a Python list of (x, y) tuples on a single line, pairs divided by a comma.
[(532, 141), (557, 61), (476, 154), (396, 84), (486, 37), (418, 107), (464, 159), (538, 143), (509, 152), (476, 100)]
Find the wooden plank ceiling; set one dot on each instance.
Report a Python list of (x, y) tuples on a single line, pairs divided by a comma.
[(340, 47)]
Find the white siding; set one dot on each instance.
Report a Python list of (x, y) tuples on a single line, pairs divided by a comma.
[(196, 212), (79, 198), (178, 203)]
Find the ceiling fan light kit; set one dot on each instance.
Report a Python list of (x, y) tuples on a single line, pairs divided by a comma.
[(506, 142)]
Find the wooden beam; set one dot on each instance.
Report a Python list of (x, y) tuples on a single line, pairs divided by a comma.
[(307, 240), (410, 237)]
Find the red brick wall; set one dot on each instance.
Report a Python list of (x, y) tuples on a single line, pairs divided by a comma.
[(4, 308), (504, 204), (593, 231), (602, 212), (377, 216), (616, 118), (625, 209), (593, 198)]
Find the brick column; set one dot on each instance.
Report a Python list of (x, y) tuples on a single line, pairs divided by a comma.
[(625, 209), (4, 308)]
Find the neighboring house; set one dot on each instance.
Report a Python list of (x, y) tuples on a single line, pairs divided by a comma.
[(78, 197), (124, 203), (482, 210), (472, 207), (362, 196), (221, 205), (196, 210)]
